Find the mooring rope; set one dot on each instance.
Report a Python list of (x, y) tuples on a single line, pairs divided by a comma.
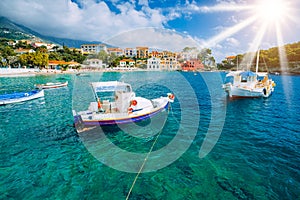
[(174, 115), (145, 160)]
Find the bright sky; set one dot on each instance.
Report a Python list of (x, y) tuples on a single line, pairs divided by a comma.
[(228, 27)]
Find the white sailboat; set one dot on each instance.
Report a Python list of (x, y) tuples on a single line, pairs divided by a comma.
[(248, 84)]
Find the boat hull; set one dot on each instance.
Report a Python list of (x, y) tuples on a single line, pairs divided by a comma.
[(51, 85), (239, 92), (81, 121), (20, 97)]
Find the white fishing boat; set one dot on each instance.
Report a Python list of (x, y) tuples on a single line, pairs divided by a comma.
[(20, 96), (116, 103), (248, 84), (51, 85)]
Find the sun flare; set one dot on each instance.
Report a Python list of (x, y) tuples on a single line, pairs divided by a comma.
[(272, 10)]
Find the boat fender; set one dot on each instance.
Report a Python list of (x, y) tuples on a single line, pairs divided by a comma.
[(265, 91), (26, 94), (171, 96), (130, 110), (133, 102)]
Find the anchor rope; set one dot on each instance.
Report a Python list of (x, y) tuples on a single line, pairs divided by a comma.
[(173, 114), (145, 160), (142, 166)]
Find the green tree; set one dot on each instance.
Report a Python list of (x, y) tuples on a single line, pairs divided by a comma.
[(7, 51), (55, 56), (42, 49), (37, 59)]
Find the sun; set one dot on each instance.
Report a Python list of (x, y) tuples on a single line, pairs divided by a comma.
[(272, 10)]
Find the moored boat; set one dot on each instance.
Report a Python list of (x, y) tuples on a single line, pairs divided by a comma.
[(116, 103), (248, 84), (51, 85), (82, 74), (20, 96)]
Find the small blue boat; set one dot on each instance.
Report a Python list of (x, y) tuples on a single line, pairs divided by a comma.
[(20, 96)]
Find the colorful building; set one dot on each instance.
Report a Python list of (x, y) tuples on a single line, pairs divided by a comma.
[(192, 65), (142, 52), (116, 51), (56, 64), (169, 64)]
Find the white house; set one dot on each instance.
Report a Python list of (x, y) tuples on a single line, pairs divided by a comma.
[(153, 63), (94, 64), (127, 63), (93, 48)]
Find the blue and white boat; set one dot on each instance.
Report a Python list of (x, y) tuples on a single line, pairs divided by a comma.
[(20, 96), (248, 84), (116, 103)]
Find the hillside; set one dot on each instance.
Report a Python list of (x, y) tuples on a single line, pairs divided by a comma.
[(12, 30), (270, 60)]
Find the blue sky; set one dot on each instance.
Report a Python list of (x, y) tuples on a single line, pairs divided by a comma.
[(225, 26)]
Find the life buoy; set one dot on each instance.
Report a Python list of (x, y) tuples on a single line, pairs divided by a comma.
[(133, 102)]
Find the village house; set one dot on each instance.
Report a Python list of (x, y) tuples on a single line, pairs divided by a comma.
[(21, 51), (129, 52), (153, 64), (116, 51), (169, 64), (93, 64), (126, 64), (57, 64), (142, 52), (92, 48), (192, 65)]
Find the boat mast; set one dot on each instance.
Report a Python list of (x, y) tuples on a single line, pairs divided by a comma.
[(237, 63), (257, 60)]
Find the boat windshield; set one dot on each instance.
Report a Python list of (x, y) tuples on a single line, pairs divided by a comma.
[(111, 87), (110, 96)]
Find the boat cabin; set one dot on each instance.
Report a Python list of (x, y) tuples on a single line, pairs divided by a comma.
[(114, 96)]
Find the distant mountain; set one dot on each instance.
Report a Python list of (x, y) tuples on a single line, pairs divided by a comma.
[(12, 30)]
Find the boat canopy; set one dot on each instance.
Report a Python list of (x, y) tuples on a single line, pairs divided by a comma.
[(247, 73), (262, 74), (233, 73), (111, 86)]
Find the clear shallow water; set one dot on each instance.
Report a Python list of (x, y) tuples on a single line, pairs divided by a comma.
[(256, 156)]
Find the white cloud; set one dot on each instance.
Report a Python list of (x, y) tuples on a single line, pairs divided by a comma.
[(94, 21), (162, 39), (232, 42)]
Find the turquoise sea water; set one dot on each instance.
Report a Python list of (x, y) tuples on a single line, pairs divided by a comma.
[(256, 155)]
